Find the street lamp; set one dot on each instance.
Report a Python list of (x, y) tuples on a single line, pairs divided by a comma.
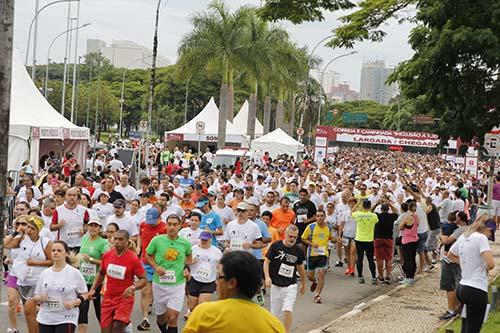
[(122, 92), (33, 74), (186, 100), (323, 73), (48, 54)]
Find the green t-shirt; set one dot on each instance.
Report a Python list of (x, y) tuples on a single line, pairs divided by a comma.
[(171, 256), (94, 249), (365, 225), (165, 156)]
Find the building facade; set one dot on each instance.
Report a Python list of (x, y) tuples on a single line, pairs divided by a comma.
[(373, 86)]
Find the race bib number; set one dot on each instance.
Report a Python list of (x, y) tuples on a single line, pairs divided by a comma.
[(301, 218), (53, 304), (286, 270), (320, 251), (204, 271), (73, 234), (168, 277), (116, 271), (88, 269), (236, 244)]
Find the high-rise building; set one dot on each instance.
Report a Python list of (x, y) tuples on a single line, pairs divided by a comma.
[(343, 93), (373, 82), (330, 78), (124, 53)]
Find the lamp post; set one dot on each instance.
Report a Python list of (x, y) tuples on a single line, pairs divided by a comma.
[(186, 100), (73, 92), (122, 92), (48, 54), (29, 34), (323, 73)]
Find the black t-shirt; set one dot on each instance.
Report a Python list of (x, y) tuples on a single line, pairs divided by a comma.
[(385, 225), (433, 219), (115, 195), (283, 263), (300, 209)]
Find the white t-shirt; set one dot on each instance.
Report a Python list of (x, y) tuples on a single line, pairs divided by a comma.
[(204, 265), (349, 224), (103, 211), (61, 286), (239, 233), (74, 219), (180, 192), (226, 214), (193, 236), (116, 165), (137, 218), (29, 275), (469, 250), (263, 208), (125, 223), (173, 209), (36, 192), (127, 192)]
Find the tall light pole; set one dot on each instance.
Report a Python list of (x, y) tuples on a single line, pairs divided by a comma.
[(152, 81), (307, 79), (323, 73), (48, 54), (35, 37), (66, 55), (122, 93), (186, 100), (73, 92), (31, 27)]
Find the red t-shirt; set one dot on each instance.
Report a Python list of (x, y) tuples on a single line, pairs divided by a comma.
[(120, 271), (147, 232)]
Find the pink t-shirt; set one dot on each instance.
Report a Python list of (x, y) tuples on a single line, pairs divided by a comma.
[(410, 235), (496, 191)]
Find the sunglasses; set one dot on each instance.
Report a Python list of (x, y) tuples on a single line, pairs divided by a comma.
[(241, 210), (22, 224)]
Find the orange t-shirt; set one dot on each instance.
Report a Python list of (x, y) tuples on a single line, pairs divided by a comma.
[(234, 202), (282, 220), (274, 237)]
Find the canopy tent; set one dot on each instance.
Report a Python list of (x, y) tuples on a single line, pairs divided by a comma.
[(276, 143), (210, 117), (35, 126), (241, 122)]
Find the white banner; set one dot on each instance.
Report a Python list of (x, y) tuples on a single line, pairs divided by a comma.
[(471, 165), (319, 154), (387, 140)]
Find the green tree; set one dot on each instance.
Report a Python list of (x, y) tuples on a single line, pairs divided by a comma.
[(377, 114)]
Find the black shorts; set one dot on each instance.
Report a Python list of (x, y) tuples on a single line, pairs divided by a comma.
[(451, 274), (317, 262), (61, 328), (195, 288)]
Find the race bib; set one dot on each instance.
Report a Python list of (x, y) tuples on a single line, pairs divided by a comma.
[(320, 251), (168, 277), (87, 269), (53, 304), (73, 234), (116, 271), (236, 244), (301, 218), (204, 270), (286, 270)]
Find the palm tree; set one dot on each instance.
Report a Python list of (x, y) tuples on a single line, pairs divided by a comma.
[(216, 43)]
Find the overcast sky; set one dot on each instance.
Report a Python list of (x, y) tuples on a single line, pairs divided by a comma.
[(133, 20)]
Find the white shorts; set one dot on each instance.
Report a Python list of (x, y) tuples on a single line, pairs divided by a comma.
[(171, 297), (283, 299), (496, 207)]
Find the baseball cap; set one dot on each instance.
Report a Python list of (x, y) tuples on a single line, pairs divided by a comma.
[(242, 205), (119, 203), (205, 235), (152, 215), (252, 201), (490, 224), (93, 218), (202, 201)]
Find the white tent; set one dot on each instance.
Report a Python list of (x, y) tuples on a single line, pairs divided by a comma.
[(241, 122), (35, 126), (210, 117), (276, 143)]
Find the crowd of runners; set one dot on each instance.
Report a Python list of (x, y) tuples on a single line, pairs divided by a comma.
[(85, 235)]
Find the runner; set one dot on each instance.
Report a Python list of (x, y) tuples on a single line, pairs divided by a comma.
[(92, 249), (384, 243), (203, 269), (283, 259), (123, 221), (347, 230), (282, 217), (365, 227), (238, 280), (60, 290), (169, 255), (150, 228), (316, 237), (242, 234), (120, 266), (192, 232), (305, 213), (210, 220)]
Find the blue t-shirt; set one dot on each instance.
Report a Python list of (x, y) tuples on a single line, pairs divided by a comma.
[(213, 221), (265, 234), (184, 183)]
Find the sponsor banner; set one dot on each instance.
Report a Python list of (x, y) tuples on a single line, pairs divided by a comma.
[(79, 133), (319, 154), (471, 165), (321, 141), (47, 132), (174, 137), (202, 137), (459, 160)]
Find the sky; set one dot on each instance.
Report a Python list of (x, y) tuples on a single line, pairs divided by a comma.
[(134, 20)]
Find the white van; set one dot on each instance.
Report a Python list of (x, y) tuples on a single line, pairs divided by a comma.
[(228, 156)]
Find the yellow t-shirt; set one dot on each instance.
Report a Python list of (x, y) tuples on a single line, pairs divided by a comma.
[(231, 315), (365, 225), (320, 236)]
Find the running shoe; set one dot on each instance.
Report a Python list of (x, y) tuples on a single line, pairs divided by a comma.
[(313, 286), (448, 315), (317, 299), (12, 330), (347, 271), (361, 280), (387, 280), (374, 281), (381, 279), (339, 264), (144, 325)]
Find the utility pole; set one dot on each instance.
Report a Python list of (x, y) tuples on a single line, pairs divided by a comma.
[(73, 93), (6, 28), (152, 82)]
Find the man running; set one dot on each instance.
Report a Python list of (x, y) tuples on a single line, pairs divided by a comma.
[(119, 265), (316, 237), (170, 257), (365, 228), (283, 259)]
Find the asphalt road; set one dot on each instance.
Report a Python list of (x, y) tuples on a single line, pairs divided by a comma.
[(339, 295)]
